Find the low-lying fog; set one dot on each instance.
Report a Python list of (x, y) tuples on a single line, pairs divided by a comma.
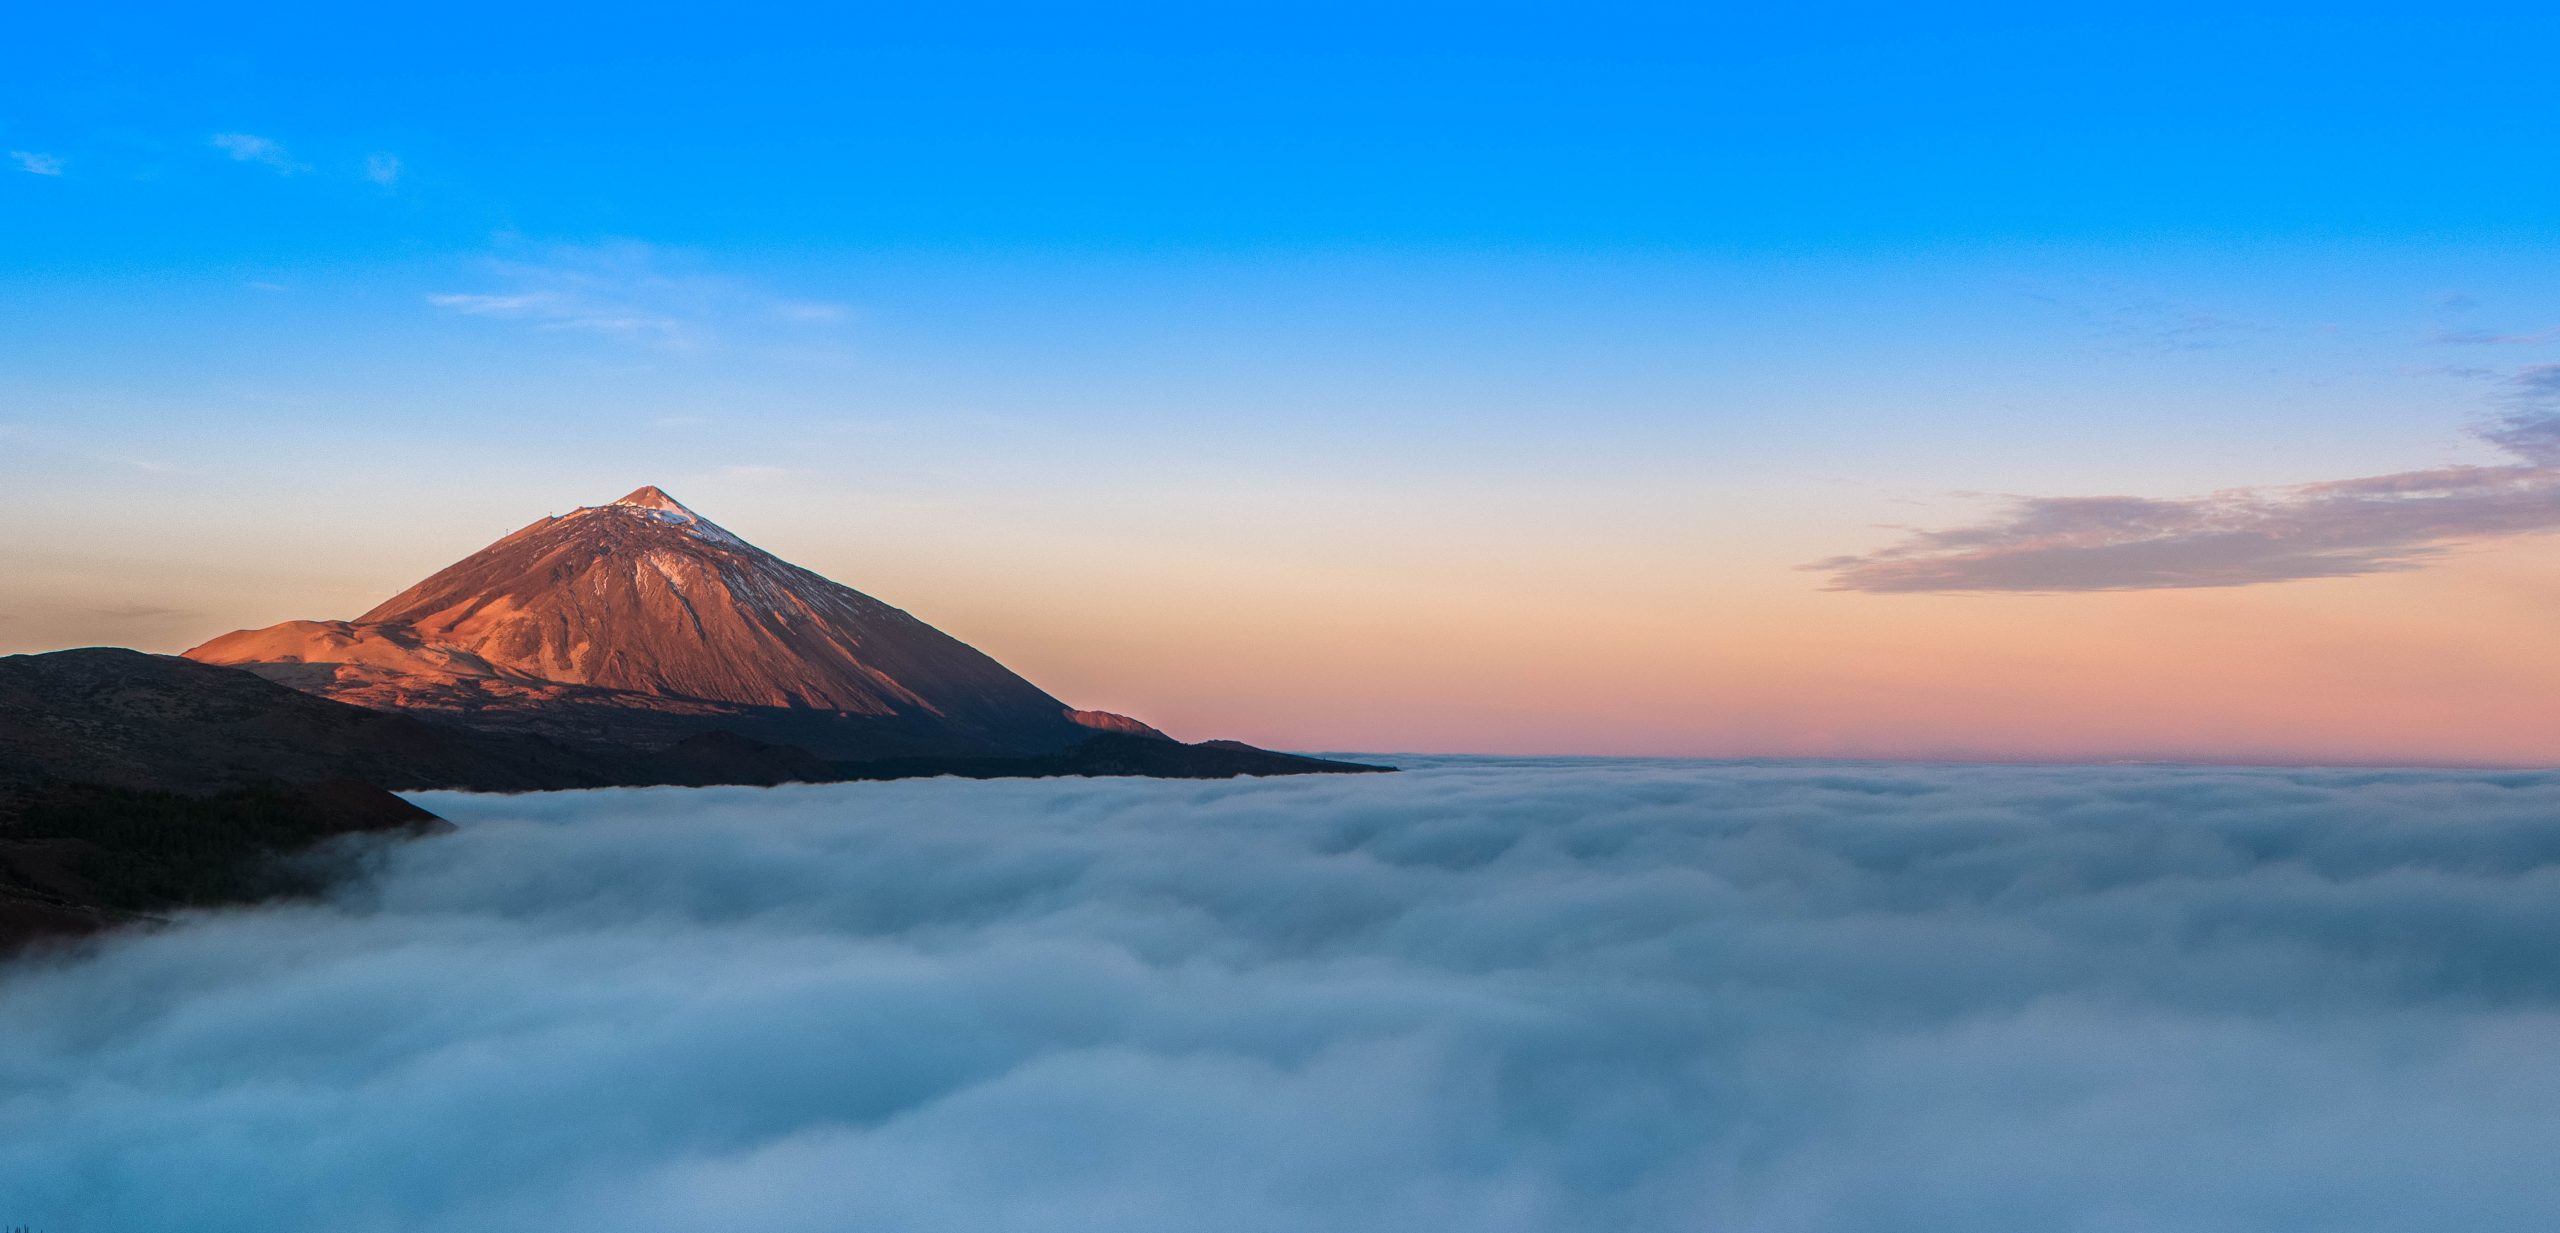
[(1475, 996)]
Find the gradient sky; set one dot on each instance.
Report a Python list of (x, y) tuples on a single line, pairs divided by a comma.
[(1488, 377)]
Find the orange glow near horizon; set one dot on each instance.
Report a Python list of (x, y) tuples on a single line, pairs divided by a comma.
[(1520, 645), (2444, 665)]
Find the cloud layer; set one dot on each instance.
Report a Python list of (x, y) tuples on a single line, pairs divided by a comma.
[(2337, 529), (1481, 996)]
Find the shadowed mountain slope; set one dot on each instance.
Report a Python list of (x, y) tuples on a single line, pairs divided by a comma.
[(131, 784), (122, 718)]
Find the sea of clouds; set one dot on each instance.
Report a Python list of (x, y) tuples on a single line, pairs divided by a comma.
[(1480, 995)]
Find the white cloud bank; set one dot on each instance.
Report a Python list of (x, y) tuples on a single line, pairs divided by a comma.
[(1481, 997)]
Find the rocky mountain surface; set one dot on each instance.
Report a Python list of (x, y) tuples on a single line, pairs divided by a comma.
[(642, 605)]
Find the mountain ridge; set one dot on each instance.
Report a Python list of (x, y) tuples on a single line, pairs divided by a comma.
[(134, 784)]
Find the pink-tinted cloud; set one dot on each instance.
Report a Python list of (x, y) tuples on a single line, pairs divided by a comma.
[(2246, 536)]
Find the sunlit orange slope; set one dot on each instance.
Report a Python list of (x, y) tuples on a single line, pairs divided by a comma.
[(645, 602)]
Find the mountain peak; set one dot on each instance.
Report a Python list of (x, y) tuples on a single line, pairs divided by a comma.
[(650, 496), (652, 502)]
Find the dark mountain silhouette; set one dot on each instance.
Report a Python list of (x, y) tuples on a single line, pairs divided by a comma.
[(124, 719), (131, 784)]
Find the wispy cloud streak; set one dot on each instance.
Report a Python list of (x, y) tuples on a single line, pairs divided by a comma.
[(36, 164), (2243, 537), (251, 148), (2491, 338), (632, 291)]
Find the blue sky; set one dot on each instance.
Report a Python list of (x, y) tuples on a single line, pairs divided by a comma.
[(1507, 298), (1166, 127)]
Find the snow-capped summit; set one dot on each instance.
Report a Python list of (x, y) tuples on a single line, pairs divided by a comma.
[(650, 496), (651, 501)]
